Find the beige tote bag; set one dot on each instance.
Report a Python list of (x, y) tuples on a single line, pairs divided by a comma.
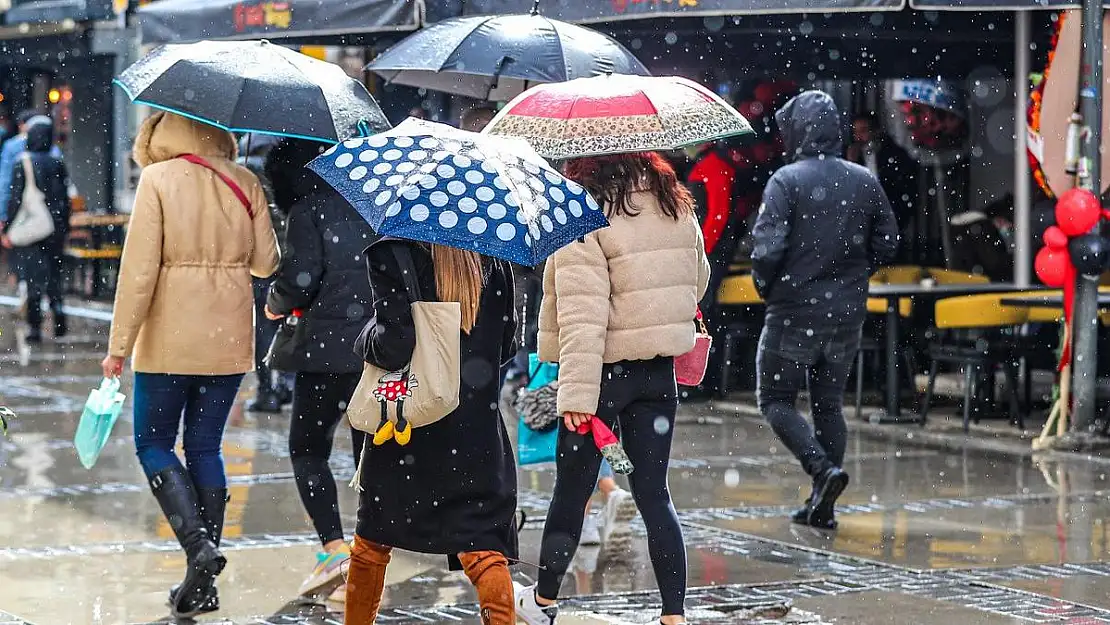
[(428, 389), (33, 222)]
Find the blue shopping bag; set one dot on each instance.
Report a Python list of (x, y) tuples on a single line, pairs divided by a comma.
[(535, 447), (101, 411)]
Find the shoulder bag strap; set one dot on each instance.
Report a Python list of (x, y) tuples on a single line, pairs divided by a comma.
[(235, 188), (408, 271)]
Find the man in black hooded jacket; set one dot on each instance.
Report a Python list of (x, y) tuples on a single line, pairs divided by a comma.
[(824, 227), (41, 263)]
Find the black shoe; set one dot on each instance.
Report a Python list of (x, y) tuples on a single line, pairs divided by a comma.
[(801, 515), (829, 484), (213, 503), (285, 395), (174, 491), (265, 401), (34, 337), (60, 326)]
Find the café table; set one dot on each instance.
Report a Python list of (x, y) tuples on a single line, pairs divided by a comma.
[(928, 293), (1050, 301)]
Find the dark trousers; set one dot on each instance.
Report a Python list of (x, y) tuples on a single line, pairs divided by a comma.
[(264, 331), (640, 399), (41, 267), (818, 358), (203, 402), (319, 402)]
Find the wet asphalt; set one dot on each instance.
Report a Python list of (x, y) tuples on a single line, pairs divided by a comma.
[(927, 535)]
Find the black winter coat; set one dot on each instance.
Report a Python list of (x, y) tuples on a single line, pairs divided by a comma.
[(452, 489), (825, 224), (50, 177), (323, 274)]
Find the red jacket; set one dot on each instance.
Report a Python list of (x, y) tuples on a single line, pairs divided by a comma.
[(717, 174)]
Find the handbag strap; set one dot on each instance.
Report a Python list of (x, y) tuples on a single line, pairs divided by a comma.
[(408, 271), (231, 184)]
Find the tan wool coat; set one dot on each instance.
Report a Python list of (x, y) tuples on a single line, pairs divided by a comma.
[(627, 292), (184, 303)]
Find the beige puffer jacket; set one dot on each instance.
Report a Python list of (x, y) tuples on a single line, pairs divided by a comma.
[(627, 292), (184, 303)]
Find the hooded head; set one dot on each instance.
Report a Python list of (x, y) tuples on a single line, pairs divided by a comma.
[(40, 134), (165, 136), (810, 126), (286, 169)]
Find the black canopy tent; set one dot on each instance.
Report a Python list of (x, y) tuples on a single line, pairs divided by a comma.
[(172, 21)]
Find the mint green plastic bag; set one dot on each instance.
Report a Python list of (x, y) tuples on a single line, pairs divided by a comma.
[(101, 411)]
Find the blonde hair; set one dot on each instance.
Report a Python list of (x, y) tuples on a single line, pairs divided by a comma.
[(459, 278)]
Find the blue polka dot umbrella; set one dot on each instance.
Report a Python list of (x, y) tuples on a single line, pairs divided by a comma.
[(430, 182)]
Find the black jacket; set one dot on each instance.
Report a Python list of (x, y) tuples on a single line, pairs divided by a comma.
[(825, 224), (323, 274), (453, 487), (50, 177)]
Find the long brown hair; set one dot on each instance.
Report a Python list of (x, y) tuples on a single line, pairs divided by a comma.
[(459, 278), (612, 179)]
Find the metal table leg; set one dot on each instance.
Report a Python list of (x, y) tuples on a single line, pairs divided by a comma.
[(893, 410)]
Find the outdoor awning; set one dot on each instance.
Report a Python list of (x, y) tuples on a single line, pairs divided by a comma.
[(587, 11), (993, 5), (167, 21), (48, 11)]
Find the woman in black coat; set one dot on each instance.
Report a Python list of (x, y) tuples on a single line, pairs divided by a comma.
[(452, 489), (42, 261), (321, 287)]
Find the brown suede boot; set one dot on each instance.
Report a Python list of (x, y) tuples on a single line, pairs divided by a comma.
[(365, 581), (489, 572)]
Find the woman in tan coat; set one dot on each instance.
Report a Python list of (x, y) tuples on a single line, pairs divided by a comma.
[(618, 306), (184, 311)]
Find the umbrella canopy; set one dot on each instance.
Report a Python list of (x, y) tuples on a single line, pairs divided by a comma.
[(617, 114), (254, 86), (497, 57), (429, 182)]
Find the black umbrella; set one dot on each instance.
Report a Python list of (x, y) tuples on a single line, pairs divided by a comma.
[(497, 57), (254, 86)]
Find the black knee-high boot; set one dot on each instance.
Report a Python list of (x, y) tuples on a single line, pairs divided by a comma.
[(179, 501), (213, 504)]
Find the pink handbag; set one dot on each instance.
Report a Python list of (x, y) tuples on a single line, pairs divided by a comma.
[(689, 368)]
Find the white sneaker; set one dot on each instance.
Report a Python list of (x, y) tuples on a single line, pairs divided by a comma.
[(528, 610), (616, 528), (591, 534)]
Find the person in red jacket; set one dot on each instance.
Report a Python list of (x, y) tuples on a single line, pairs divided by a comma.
[(716, 174)]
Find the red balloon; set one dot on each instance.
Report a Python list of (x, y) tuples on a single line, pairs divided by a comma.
[(1055, 238), (1052, 266), (1077, 212)]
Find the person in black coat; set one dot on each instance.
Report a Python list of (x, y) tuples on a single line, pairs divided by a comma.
[(896, 170), (452, 489), (824, 228), (321, 286), (42, 262)]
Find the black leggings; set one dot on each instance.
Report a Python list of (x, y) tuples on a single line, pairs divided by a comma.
[(319, 402), (640, 397)]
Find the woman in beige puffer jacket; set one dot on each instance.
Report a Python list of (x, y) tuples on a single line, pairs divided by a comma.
[(618, 306), (184, 309)]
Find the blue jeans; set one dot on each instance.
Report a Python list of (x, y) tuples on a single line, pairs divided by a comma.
[(161, 400)]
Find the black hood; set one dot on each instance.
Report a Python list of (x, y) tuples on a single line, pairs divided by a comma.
[(810, 126), (285, 168), (40, 136)]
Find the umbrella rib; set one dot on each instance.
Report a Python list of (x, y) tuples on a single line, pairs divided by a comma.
[(319, 90)]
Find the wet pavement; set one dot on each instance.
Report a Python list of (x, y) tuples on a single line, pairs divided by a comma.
[(927, 535)]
